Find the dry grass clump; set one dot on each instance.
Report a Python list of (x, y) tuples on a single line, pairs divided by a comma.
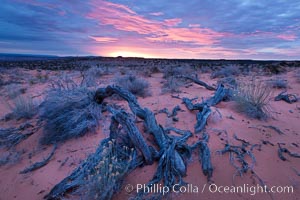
[(23, 107), (68, 111), (253, 99), (14, 90), (107, 176), (135, 85)]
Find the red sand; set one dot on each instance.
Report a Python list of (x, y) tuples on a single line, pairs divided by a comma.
[(269, 167)]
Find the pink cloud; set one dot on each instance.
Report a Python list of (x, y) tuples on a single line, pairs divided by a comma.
[(172, 22), (265, 34), (123, 18), (103, 39), (289, 37), (157, 13)]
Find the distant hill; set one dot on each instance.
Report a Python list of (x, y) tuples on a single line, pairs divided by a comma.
[(20, 57)]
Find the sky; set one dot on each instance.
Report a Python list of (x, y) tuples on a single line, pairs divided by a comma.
[(199, 29)]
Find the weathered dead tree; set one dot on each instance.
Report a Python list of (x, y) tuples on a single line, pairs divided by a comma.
[(164, 142), (202, 119), (133, 133), (197, 81), (220, 95), (282, 150), (40, 164), (130, 137), (204, 156), (173, 150), (204, 107), (289, 98)]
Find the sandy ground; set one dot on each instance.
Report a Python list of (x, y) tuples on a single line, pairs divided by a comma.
[(272, 170)]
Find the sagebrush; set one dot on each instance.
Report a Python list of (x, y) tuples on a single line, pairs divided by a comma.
[(135, 85), (69, 113)]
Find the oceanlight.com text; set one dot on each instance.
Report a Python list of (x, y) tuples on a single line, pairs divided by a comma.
[(211, 188)]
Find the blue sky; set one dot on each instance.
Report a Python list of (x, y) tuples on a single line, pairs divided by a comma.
[(231, 29)]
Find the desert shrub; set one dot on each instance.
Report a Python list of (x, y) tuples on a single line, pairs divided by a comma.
[(205, 69), (108, 174), (253, 99), (226, 71), (276, 68), (297, 75), (91, 76), (173, 80), (172, 71), (171, 85), (135, 85), (10, 157), (68, 113), (278, 83), (23, 107), (41, 77), (148, 71)]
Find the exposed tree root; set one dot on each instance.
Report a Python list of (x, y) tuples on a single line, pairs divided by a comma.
[(239, 153), (289, 98), (282, 150), (267, 142), (171, 114), (40, 164), (275, 129)]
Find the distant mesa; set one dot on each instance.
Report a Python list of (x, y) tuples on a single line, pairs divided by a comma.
[(20, 57)]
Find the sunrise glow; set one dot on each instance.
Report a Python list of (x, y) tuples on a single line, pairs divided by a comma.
[(130, 54), (165, 29)]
